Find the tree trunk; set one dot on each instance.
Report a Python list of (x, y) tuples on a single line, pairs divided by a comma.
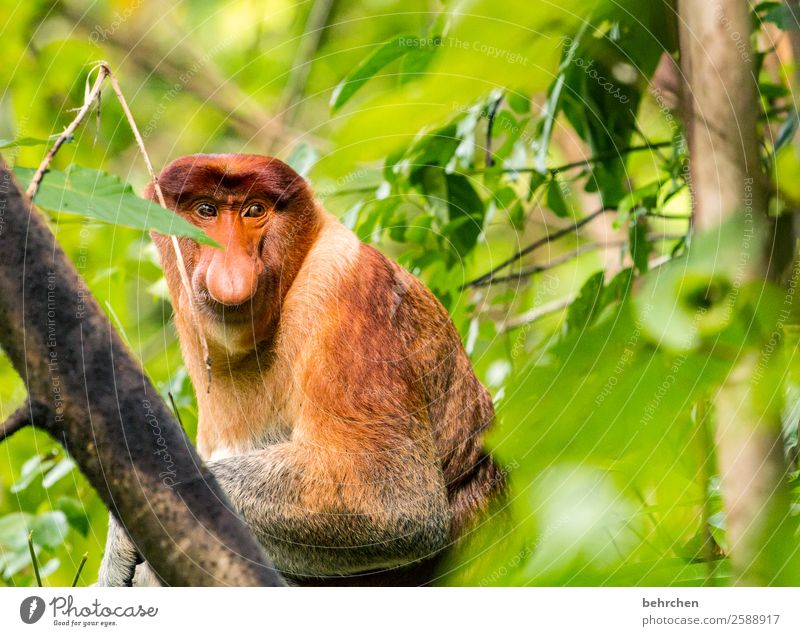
[(720, 105)]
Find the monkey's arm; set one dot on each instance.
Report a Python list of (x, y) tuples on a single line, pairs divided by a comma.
[(321, 513), (119, 559)]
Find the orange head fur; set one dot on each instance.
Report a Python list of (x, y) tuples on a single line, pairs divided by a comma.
[(264, 216)]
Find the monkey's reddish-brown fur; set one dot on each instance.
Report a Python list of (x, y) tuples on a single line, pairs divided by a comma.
[(346, 353)]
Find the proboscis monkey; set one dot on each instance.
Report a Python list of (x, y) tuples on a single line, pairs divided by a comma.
[(344, 420)]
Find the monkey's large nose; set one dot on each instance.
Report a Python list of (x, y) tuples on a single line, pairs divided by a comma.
[(232, 279)]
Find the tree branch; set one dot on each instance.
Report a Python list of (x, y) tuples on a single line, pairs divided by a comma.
[(566, 258), (487, 277), (607, 156), (31, 413), (720, 105)]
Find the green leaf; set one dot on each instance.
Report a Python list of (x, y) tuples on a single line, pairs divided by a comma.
[(432, 182), (75, 512), (640, 247), (538, 179), (696, 295), (781, 15), (20, 142), (60, 470), (553, 103), (416, 62), (787, 131), (419, 229), (465, 205), (14, 531), (302, 158), (387, 53), (50, 529), (100, 196), (519, 103), (555, 199), (586, 305), (17, 561), (31, 469)]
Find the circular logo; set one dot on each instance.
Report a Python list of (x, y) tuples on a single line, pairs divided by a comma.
[(31, 609)]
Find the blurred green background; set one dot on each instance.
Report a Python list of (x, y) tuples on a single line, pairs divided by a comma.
[(387, 107)]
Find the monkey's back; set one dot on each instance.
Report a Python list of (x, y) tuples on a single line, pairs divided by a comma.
[(419, 335)]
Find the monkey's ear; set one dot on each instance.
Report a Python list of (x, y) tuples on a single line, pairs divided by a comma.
[(285, 183), (291, 193)]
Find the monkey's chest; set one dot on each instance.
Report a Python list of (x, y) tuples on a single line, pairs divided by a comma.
[(238, 422)]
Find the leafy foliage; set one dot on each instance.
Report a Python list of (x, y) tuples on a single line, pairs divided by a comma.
[(103, 197), (457, 148)]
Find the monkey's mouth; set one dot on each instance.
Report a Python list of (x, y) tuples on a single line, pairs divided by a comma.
[(246, 313)]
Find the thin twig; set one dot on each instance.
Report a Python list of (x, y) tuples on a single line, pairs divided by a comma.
[(34, 560), (539, 312), (91, 97), (670, 217), (535, 314), (80, 569), (489, 125), (608, 156), (187, 286), (103, 73), (536, 245), (552, 171), (587, 247), (175, 409)]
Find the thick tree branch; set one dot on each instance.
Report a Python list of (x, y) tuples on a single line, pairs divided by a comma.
[(109, 416), (32, 413)]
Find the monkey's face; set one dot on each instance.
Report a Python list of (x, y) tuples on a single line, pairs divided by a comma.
[(263, 215)]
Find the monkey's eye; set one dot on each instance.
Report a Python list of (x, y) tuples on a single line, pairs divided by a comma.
[(254, 210), (206, 210)]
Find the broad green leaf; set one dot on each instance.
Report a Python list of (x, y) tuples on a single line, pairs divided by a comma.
[(21, 142), (14, 530), (387, 53), (61, 469), (584, 308), (639, 245), (695, 295), (302, 158), (31, 469), (553, 103), (555, 199), (519, 102), (538, 179), (50, 529), (781, 15), (466, 213), (104, 197), (76, 513)]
